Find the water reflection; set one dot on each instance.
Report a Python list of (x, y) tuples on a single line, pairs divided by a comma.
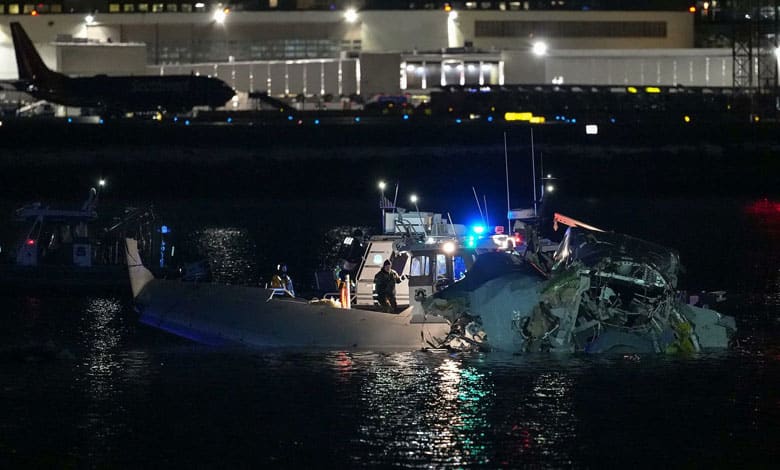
[(102, 376), (420, 410), (230, 251)]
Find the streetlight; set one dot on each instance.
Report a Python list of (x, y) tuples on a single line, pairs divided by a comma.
[(382, 203), (539, 48)]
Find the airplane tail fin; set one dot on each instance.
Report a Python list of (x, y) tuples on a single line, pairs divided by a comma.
[(30, 64)]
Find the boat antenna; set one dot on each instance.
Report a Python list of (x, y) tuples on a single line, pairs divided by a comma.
[(533, 168), (506, 171), (541, 177), (449, 217), (481, 215), (395, 198), (487, 216)]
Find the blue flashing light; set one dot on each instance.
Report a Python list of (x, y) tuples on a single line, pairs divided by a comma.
[(176, 119), (357, 118), (70, 120), (470, 242), (290, 118), (229, 120), (478, 229), (187, 122), (458, 121), (612, 120), (316, 122), (490, 119), (164, 229), (406, 117), (101, 121), (574, 121)]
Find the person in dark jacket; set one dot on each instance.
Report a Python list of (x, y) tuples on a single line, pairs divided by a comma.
[(385, 281)]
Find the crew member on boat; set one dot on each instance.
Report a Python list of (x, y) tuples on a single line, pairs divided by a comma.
[(385, 281), (281, 280)]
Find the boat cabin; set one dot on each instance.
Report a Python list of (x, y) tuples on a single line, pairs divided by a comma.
[(426, 250)]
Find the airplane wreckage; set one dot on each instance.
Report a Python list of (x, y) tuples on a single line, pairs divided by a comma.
[(594, 292), (603, 292)]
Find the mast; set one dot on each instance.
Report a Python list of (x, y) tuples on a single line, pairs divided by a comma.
[(533, 168), (506, 172)]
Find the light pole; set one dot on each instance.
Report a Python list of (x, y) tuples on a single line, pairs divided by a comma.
[(413, 198), (382, 203)]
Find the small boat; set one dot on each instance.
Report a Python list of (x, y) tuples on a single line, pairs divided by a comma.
[(64, 248), (423, 249)]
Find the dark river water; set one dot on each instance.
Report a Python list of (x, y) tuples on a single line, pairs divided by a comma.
[(84, 385)]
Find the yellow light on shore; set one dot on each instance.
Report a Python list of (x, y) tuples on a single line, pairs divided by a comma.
[(510, 116)]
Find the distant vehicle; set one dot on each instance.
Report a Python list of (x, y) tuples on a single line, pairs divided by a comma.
[(116, 94), (38, 109)]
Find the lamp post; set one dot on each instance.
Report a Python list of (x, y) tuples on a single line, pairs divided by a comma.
[(382, 203), (413, 198)]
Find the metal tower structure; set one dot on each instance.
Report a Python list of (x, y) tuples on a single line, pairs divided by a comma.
[(755, 28)]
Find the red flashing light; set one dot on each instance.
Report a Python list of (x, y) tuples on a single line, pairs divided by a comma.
[(692, 9), (499, 229), (518, 239), (30, 242)]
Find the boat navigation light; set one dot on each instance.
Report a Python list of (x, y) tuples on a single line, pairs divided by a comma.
[(448, 248), (413, 198), (30, 242), (382, 185), (550, 188), (102, 182)]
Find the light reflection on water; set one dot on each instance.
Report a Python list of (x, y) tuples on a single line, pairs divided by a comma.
[(230, 251)]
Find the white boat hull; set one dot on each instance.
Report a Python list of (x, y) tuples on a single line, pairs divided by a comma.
[(217, 313)]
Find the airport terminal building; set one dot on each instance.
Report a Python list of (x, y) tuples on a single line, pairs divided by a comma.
[(320, 49)]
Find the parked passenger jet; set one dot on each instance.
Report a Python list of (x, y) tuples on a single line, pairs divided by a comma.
[(113, 93)]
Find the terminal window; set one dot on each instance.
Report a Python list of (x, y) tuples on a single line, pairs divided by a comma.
[(13, 9), (128, 8), (143, 7), (571, 29), (113, 8), (2, 8), (28, 8), (158, 7)]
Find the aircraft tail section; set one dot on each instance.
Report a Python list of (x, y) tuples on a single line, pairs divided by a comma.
[(28, 61)]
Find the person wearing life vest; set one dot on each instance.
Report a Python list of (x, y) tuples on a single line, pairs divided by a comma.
[(281, 280), (384, 282)]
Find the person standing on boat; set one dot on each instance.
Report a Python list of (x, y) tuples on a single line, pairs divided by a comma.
[(385, 281), (281, 280)]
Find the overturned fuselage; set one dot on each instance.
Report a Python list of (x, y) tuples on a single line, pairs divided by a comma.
[(605, 292)]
